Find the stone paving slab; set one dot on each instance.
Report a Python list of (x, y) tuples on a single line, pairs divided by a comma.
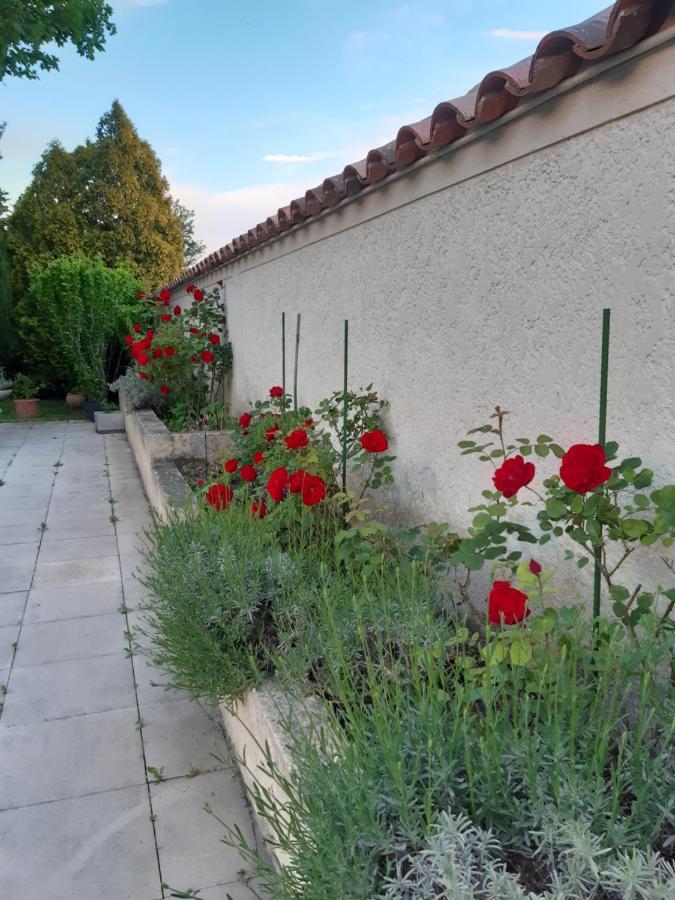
[(83, 716)]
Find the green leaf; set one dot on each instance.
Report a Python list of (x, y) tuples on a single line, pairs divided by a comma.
[(464, 444), (521, 652), (497, 509), (619, 592), (577, 504), (670, 593), (634, 528), (632, 462), (481, 520), (556, 508), (541, 450), (582, 562), (644, 478), (544, 439), (557, 450), (641, 501)]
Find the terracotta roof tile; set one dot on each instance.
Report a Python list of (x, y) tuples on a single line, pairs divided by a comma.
[(558, 56)]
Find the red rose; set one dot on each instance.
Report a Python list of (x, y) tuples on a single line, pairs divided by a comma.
[(277, 484), (128, 340), (270, 432), (197, 294), (164, 295), (194, 330), (231, 466), (297, 439), (258, 510), (583, 468), (190, 288), (165, 318), (169, 351), (248, 473), (143, 376), (296, 481), (276, 391), (374, 441), (164, 390), (206, 356), (219, 496), (535, 567), (309, 422), (220, 282), (156, 353), (258, 457), (200, 482), (214, 338), (506, 604), (177, 310), (149, 335), (313, 490), (245, 420), (142, 358), (193, 358), (140, 295), (512, 475), (137, 327)]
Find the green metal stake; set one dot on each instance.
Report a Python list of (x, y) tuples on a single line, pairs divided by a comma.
[(283, 352), (345, 409), (295, 367), (602, 431)]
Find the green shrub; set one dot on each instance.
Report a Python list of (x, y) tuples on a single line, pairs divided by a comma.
[(25, 387)]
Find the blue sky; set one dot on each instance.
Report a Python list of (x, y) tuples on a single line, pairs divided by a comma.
[(248, 105)]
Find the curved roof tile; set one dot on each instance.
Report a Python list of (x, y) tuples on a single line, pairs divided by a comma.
[(558, 56)]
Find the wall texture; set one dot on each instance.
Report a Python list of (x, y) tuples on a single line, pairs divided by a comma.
[(490, 289)]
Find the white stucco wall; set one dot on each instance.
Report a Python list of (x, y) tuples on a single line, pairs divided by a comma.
[(490, 290)]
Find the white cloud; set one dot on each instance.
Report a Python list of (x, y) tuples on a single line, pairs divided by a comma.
[(222, 216), (510, 34), (299, 157)]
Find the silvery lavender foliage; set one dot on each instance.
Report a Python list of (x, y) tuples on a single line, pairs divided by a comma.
[(137, 393)]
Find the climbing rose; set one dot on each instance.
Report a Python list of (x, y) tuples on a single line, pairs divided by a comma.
[(142, 358), (137, 327), (248, 473), (297, 439), (197, 294), (296, 481), (258, 457), (140, 295), (276, 391), (169, 351), (165, 318), (177, 310), (164, 390), (270, 432), (215, 339), (156, 353), (309, 422), (194, 330), (206, 356), (258, 510), (219, 496), (535, 567), (149, 335), (200, 482), (583, 468), (506, 604), (277, 484), (231, 466), (313, 490), (164, 295), (374, 441), (193, 358), (128, 340), (512, 475), (143, 376), (190, 288), (245, 420)]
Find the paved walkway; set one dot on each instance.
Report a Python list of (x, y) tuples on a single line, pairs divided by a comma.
[(85, 722)]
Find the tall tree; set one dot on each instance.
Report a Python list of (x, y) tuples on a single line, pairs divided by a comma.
[(193, 249), (27, 27), (5, 328)]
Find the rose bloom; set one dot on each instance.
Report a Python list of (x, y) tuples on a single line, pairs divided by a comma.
[(200, 482), (165, 295), (128, 340), (512, 475), (313, 490), (215, 339), (277, 484), (535, 567), (190, 288), (177, 310), (245, 420), (248, 473), (165, 318), (583, 468), (169, 351), (297, 439), (309, 422), (506, 604), (142, 358), (156, 353), (258, 510), (140, 295), (270, 432), (194, 330), (206, 356), (296, 481), (164, 390), (219, 496), (258, 457), (231, 466), (374, 441), (137, 327), (143, 376), (149, 335), (276, 391), (197, 294)]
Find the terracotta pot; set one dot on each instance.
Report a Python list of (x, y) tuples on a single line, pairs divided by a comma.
[(74, 401), (27, 409)]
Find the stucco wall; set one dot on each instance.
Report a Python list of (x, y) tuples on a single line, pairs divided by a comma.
[(490, 291)]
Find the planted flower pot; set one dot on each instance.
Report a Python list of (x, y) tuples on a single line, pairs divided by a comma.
[(5, 393), (74, 400), (27, 409)]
